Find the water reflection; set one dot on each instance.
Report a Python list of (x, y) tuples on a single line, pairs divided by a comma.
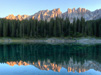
[(78, 58)]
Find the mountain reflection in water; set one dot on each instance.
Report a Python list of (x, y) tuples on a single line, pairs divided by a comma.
[(47, 57)]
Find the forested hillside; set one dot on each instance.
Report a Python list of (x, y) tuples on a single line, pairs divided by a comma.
[(54, 28)]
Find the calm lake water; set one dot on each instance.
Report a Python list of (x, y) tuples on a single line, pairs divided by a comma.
[(45, 59)]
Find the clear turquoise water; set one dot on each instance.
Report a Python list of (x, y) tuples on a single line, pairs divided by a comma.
[(45, 59)]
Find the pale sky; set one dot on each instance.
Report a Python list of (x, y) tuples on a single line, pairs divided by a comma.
[(30, 7)]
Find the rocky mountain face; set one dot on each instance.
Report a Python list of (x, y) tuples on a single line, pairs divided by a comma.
[(70, 13), (18, 17), (47, 15)]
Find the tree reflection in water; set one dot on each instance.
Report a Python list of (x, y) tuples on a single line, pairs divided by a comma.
[(52, 57)]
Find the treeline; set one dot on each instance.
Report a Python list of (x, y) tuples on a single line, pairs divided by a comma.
[(54, 28)]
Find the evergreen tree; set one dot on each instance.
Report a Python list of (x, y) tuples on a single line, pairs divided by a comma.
[(57, 27)]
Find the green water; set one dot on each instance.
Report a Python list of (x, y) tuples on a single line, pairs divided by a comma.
[(29, 59)]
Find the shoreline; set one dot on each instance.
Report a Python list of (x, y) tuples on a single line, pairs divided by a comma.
[(82, 40)]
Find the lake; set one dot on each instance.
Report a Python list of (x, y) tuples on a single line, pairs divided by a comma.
[(47, 59)]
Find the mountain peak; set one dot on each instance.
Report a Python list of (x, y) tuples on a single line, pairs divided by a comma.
[(58, 10), (18, 17), (11, 17), (79, 9), (73, 10), (69, 11)]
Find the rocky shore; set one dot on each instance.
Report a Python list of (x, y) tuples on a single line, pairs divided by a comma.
[(53, 41)]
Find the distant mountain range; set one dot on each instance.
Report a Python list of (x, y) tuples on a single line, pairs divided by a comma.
[(70, 13)]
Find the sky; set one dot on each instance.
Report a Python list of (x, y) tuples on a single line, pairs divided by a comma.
[(30, 7)]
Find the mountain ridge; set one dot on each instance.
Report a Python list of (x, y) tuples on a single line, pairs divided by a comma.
[(70, 13)]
